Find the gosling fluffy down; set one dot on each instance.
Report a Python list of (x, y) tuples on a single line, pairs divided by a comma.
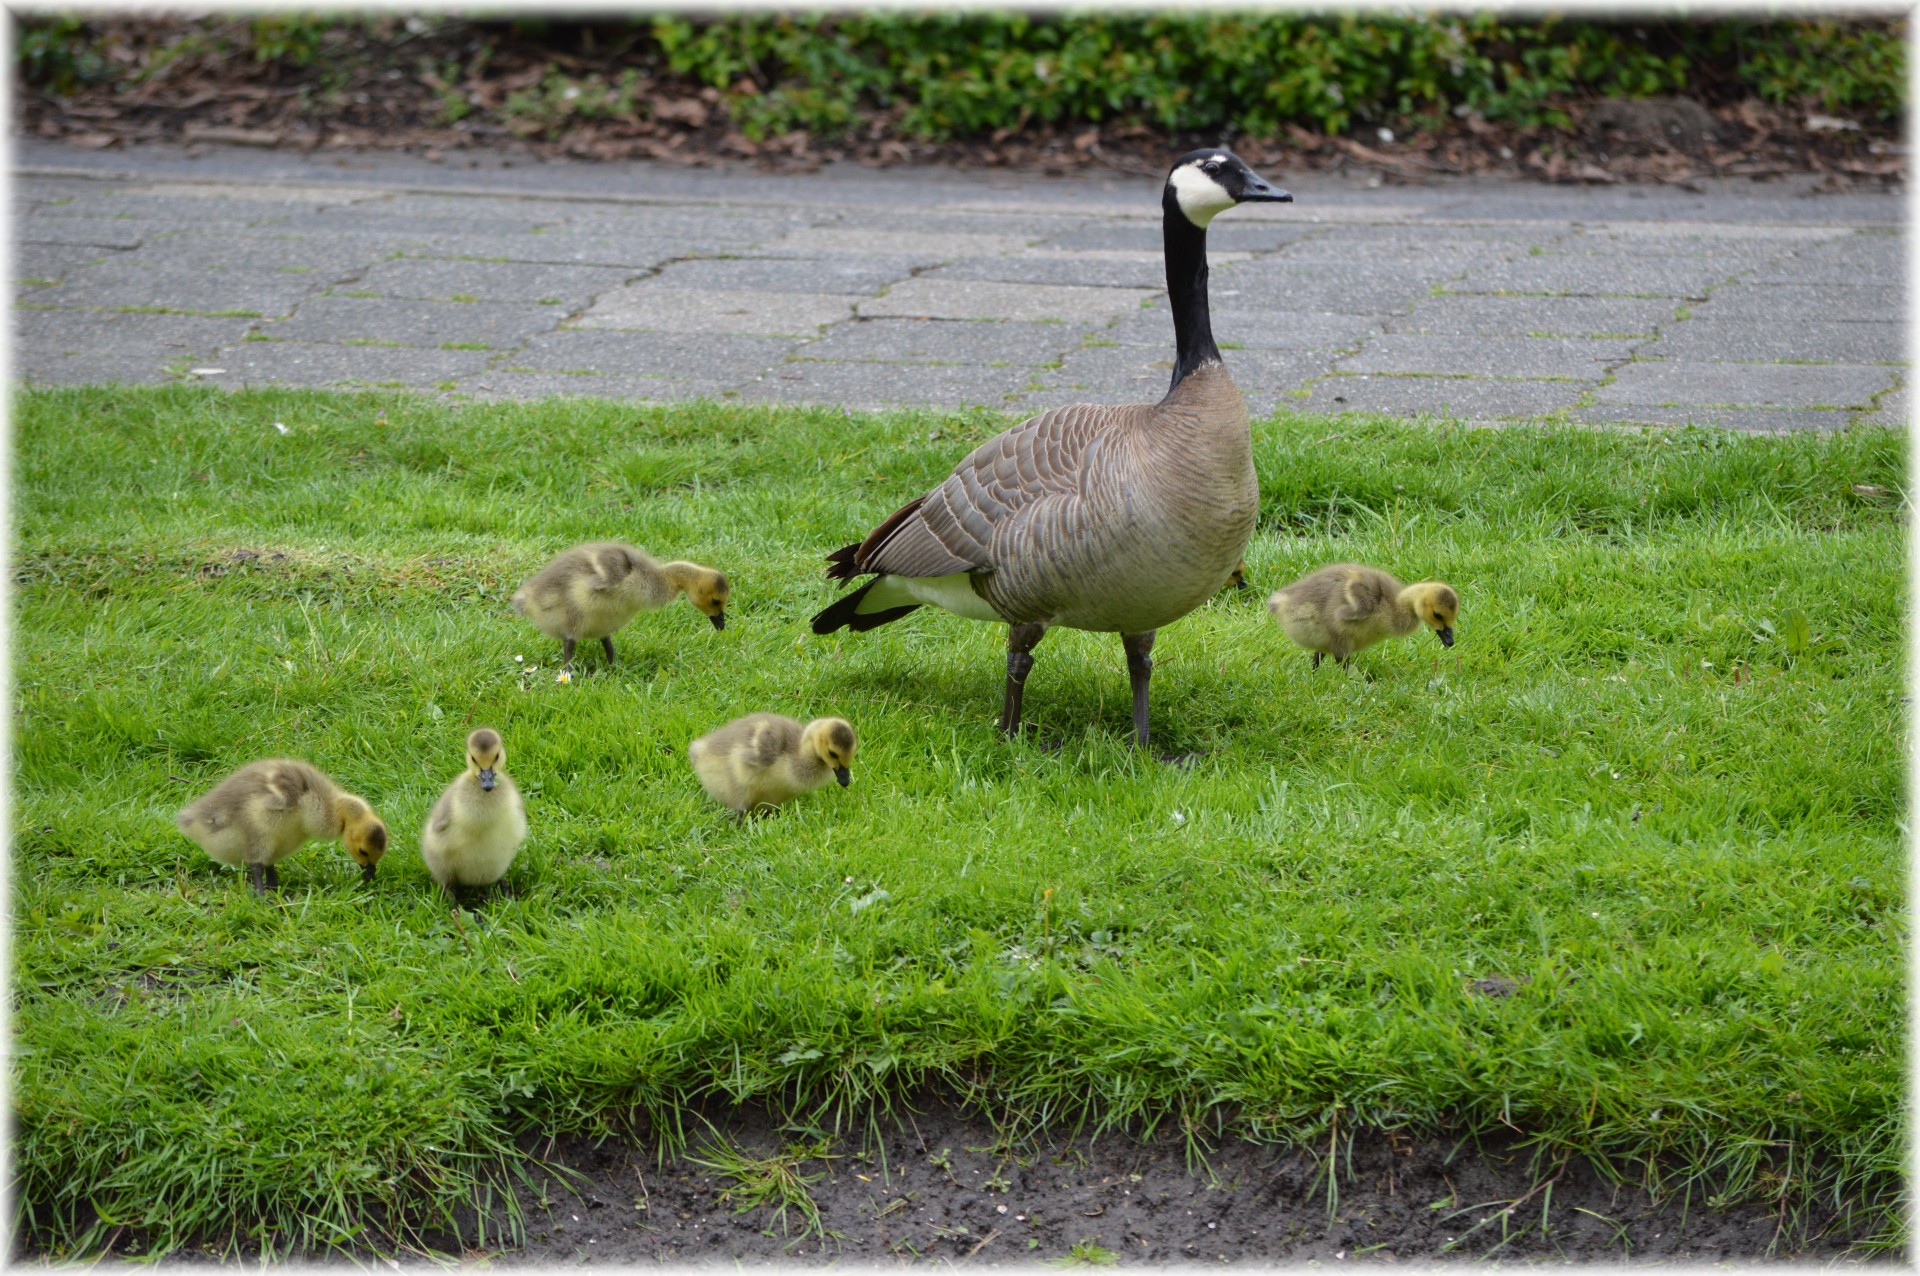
[(476, 827), (1345, 608), (269, 809), (592, 591), (765, 759)]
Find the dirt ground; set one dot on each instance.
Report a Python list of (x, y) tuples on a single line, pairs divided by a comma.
[(939, 1187)]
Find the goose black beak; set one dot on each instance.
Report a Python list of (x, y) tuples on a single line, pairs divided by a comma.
[(1260, 191), (366, 872), (843, 775), (486, 778), (1446, 636), (719, 619)]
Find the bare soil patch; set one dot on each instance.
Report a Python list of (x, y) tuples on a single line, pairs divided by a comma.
[(941, 1185)]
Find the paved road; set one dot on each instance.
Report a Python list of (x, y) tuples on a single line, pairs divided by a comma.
[(1757, 307)]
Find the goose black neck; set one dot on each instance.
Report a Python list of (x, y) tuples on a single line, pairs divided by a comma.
[(1186, 252)]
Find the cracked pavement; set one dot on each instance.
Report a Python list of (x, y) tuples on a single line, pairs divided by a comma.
[(1749, 306)]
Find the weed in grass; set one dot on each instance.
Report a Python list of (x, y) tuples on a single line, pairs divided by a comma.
[(775, 1180), (1086, 1252)]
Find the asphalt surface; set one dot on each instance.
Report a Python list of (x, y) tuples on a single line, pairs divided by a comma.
[(1754, 306)]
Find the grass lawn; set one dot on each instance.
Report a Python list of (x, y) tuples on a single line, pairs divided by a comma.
[(1657, 785)]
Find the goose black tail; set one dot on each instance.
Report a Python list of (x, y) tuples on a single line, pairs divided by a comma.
[(841, 565), (845, 613)]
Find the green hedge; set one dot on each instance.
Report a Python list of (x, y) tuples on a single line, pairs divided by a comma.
[(968, 74), (963, 74)]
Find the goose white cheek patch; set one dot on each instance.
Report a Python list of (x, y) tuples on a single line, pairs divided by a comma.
[(1201, 198)]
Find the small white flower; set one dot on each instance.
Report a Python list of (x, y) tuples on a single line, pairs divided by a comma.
[(519, 660), (846, 881), (1179, 818), (282, 427), (565, 675)]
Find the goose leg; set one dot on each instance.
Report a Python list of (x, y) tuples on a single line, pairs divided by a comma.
[(1316, 660), (256, 877), (607, 643), (566, 653), (272, 875), (1139, 670), (1021, 640)]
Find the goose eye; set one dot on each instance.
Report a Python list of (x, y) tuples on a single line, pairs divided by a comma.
[(1210, 167)]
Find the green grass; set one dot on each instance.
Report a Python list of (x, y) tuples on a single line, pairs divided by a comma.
[(1621, 790)]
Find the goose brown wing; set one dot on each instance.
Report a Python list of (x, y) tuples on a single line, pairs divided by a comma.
[(950, 528)]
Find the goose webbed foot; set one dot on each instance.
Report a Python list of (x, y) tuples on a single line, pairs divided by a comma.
[(1021, 640), (1139, 671)]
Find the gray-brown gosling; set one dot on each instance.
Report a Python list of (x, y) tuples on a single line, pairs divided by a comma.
[(591, 591), (269, 809), (764, 759), (477, 826), (1345, 608), (1239, 577)]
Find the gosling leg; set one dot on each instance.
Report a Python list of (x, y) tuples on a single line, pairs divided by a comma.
[(566, 653), (1316, 660), (273, 878), (606, 645), (257, 877), (1021, 640), (1139, 671)]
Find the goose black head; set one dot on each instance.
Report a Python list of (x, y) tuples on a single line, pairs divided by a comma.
[(1207, 182)]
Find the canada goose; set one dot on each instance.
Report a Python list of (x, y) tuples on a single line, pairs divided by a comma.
[(590, 591), (1110, 518), (478, 823), (269, 809), (763, 759), (1345, 608)]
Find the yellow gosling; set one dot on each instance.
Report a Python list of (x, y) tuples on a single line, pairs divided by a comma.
[(269, 809)]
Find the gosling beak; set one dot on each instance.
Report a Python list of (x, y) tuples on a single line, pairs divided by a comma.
[(1446, 636), (719, 619), (843, 775), (486, 778), (366, 872), (1260, 191)]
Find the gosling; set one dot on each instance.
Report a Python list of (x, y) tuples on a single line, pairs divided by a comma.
[(763, 759), (477, 826), (1339, 610), (1238, 578), (269, 809), (592, 591)]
